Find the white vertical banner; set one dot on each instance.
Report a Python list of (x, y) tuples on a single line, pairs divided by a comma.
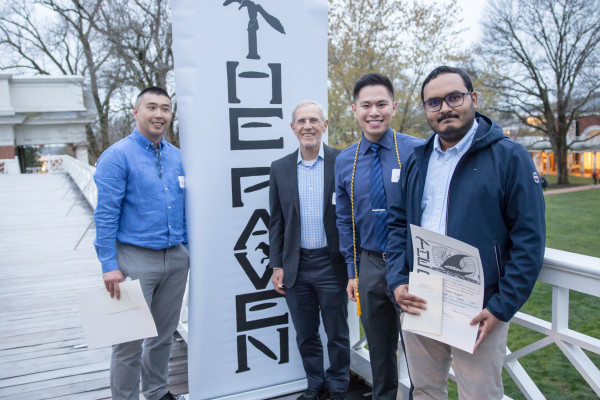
[(240, 68)]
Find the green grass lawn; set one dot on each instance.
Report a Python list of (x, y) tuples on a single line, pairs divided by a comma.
[(573, 180), (573, 224)]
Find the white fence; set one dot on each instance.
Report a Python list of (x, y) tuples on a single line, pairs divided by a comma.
[(563, 270)]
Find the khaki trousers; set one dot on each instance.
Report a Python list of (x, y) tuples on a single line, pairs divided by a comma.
[(478, 375)]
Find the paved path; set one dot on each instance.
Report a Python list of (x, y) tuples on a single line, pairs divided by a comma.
[(571, 189)]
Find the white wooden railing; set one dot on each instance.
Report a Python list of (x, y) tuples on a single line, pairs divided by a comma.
[(563, 270), (81, 174)]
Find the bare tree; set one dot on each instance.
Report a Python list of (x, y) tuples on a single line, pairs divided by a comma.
[(546, 54), (139, 32), (81, 17), (62, 39), (38, 43)]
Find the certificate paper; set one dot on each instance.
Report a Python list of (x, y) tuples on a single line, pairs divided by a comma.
[(108, 321), (428, 287), (462, 297)]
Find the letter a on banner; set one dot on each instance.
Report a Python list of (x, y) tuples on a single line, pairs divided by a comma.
[(240, 68)]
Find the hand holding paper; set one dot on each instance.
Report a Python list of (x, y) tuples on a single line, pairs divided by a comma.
[(408, 301), (108, 321), (487, 323), (462, 295), (111, 282), (430, 288)]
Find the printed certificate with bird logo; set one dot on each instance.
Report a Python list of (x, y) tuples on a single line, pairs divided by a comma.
[(459, 265)]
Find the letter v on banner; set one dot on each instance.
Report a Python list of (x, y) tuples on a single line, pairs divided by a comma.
[(240, 68)]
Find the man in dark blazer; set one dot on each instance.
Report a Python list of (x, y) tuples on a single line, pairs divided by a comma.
[(307, 266)]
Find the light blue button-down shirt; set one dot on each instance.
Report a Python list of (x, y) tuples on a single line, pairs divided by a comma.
[(311, 182), (439, 174), (135, 205)]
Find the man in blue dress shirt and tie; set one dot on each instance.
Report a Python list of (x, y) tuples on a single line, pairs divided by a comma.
[(366, 179), (141, 234), (307, 266)]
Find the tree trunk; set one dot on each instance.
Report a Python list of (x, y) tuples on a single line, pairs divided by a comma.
[(562, 167)]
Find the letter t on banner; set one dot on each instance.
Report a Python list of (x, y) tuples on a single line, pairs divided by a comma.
[(240, 68)]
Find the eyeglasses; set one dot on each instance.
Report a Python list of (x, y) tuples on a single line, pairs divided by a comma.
[(159, 167), (453, 100), (312, 121)]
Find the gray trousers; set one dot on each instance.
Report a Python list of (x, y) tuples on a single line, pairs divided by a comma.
[(478, 375), (162, 275), (381, 321)]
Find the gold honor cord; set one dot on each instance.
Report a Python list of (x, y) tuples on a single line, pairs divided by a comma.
[(353, 220)]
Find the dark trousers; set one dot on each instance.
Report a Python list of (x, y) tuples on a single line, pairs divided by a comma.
[(381, 321), (317, 289)]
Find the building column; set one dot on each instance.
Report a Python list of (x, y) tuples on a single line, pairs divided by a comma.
[(536, 159), (581, 164), (7, 142), (81, 153), (547, 162)]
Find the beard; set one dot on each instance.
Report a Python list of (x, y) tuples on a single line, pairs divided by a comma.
[(453, 134)]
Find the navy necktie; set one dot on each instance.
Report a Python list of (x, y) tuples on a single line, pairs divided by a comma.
[(378, 204)]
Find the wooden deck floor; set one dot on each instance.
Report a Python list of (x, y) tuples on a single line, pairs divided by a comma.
[(41, 353)]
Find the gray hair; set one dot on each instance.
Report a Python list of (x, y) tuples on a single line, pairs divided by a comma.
[(306, 103)]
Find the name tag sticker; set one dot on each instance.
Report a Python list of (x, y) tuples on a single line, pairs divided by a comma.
[(181, 181), (395, 175), (333, 199)]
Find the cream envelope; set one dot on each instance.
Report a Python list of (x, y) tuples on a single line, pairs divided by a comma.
[(108, 321)]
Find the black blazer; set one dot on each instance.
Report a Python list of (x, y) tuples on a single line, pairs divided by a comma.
[(284, 226)]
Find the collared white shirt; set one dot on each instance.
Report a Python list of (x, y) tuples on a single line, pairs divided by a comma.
[(442, 164), (311, 182)]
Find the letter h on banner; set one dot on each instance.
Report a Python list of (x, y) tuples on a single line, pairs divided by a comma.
[(236, 113)]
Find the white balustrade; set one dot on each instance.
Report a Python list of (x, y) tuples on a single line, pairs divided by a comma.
[(81, 174)]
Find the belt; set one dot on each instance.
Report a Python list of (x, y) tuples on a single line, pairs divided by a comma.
[(376, 254), (322, 250)]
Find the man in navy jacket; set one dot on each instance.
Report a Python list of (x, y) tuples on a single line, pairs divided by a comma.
[(470, 182)]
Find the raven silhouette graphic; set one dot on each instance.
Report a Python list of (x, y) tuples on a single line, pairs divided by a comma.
[(253, 10)]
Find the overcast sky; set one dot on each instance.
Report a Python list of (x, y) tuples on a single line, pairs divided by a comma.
[(472, 10)]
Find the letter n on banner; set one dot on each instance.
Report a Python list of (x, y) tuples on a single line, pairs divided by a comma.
[(240, 68)]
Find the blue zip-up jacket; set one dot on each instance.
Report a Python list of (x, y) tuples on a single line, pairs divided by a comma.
[(495, 203)]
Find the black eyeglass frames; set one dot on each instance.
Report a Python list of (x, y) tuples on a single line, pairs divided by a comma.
[(453, 100)]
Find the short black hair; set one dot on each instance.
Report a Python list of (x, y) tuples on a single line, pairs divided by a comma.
[(153, 90), (373, 79), (444, 69)]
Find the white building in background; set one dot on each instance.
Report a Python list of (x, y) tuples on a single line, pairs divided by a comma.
[(583, 140), (41, 110)]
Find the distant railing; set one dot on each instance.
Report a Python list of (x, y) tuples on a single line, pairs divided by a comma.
[(81, 174), (563, 270)]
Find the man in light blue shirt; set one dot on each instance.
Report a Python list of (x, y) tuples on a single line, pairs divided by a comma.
[(140, 234), (435, 194), (470, 182), (307, 265)]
